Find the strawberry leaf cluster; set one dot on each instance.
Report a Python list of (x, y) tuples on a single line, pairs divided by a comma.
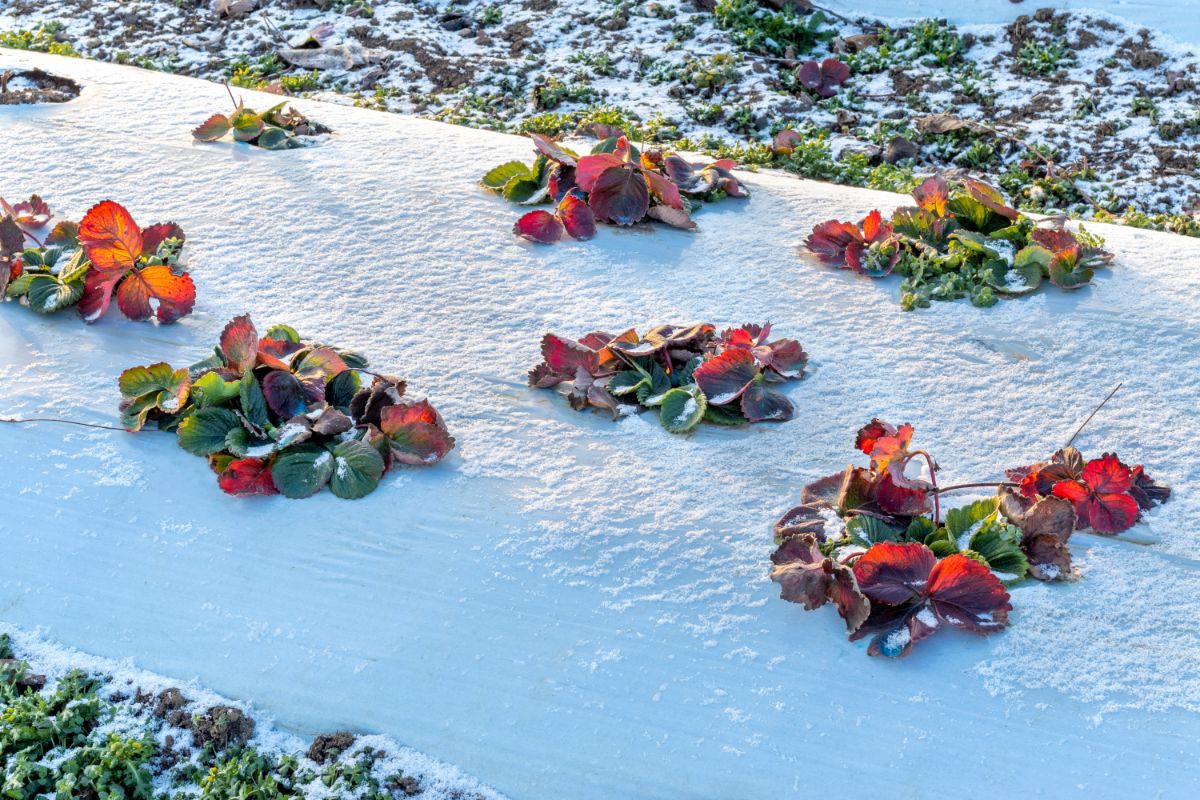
[(960, 240), (87, 264), (616, 183), (276, 128), (689, 373), (872, 540), (280, 415)]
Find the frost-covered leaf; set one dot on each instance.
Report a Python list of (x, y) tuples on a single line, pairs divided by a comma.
[(357, 468), (1046, 525), (761, 403), (682, 409), (273, 138), (368, 404), (50, 293), (866, 530), (804, 518), (302, 470), (725, 377)]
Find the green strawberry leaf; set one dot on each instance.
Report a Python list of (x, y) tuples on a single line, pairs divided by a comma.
[(302, 470), (357, 468), (683, 408), (203, 432)]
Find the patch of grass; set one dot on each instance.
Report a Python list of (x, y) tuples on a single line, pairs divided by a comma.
[(933, 42), (255, 73), (600, 63), (1144, 107), (1038, 58), (769, 32), (42, 39)]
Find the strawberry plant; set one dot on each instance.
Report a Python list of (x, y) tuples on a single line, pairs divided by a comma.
[(823, 78), (960, 241), (279, 415), (873, 540), (689, 373), (85, 265), (276, 128), (616, 183)]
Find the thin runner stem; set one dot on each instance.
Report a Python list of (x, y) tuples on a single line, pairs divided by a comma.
[(1094, 412), (62, 421), (983, 485)]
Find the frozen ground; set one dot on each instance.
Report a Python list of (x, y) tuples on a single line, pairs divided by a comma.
[(568, 607)]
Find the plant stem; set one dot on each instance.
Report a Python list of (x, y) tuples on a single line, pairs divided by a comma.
[(937, 506), (1094, 412), (63, 421), (984, 485)]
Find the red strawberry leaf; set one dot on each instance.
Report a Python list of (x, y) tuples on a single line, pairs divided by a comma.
[(416, 433), (619, 195), (239, 344), (590, 168), (247, 476), (933, 195), (565, 357), (829, 240), (539, 226), (893, 573), (965, 594), (212, 128), (155, 235), (663, 190), (724, 378), (156, 291), (110, 237), (871, 433), (1101, 498), (577, 217)]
